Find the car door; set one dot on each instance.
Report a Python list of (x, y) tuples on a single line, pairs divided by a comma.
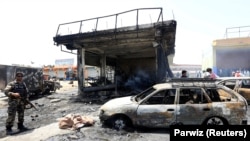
[(158, 110), (193, 112)]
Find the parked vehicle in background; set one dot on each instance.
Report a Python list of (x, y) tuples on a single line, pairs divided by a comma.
[(187, 101), (36, 81), (238, 84), (49, 84)]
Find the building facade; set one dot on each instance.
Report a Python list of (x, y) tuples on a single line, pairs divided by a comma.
[(231, 54)]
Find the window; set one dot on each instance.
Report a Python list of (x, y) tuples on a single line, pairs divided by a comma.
[(144, 94), (192, 96), (213, 95), (224, 95), (219, 95), (169, 97), (163, 97)]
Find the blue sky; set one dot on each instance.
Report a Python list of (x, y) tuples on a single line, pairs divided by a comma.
[(27, 27)]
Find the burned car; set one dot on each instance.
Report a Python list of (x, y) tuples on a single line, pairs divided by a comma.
[(178, 101), (238, 84)]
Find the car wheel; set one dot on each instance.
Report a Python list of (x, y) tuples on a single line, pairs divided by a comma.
[(121, 123), (215, 121)]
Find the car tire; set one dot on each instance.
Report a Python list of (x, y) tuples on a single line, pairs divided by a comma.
[(121, 123), (215, 121)]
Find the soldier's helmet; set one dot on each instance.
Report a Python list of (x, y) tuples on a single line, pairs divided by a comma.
[(19, 73)]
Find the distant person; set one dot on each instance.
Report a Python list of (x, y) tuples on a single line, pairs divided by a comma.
[(211, 74), (199, 74), (183, 74), (204, 74), (16, 91), (238, 74), (233, 74), (67, 75)]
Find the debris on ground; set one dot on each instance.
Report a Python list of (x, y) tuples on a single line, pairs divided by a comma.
[(75, 121)]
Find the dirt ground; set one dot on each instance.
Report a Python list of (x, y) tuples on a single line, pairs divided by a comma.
[(52, 107)]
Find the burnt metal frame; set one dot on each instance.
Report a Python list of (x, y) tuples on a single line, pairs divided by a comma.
[(160, 17)]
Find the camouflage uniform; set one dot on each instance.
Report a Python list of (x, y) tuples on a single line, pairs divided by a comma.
[(16, 105)]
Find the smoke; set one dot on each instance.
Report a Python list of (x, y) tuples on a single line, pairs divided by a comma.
[(139, 81), (231, 60)]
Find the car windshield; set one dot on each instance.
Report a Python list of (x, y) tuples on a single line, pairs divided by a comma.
[(144, 94)]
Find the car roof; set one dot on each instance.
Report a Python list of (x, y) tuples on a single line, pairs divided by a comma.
[(232, 78), (163, 85), (223, 79), (186, 82)]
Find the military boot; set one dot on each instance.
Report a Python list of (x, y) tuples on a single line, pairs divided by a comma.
[(9, 130), (21, 127)]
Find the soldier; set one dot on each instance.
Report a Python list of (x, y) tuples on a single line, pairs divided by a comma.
[(16, 91)]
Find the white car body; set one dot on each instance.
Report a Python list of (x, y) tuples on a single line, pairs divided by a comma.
[(145, 110)]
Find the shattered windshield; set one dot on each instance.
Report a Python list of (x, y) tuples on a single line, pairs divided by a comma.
[(144, 94)]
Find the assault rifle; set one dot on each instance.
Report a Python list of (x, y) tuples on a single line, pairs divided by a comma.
[(29, 103), (26, 101)]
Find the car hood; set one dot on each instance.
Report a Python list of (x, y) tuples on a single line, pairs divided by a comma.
[(119, 101)]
